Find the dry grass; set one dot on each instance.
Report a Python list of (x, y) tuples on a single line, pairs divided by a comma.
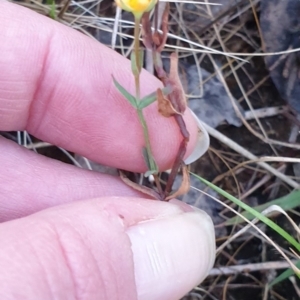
[(252, 162)]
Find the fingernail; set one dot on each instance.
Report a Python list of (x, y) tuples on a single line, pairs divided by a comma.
[(202, 141), (172, 255)]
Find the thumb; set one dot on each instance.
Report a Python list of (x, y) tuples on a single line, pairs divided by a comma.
[(108, 248)]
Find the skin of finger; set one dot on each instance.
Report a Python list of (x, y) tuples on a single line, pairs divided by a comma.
[(57, 84), (33, 182), (75, 251)]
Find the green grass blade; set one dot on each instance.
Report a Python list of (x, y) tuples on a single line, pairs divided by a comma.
[(52, 13), (149, 99), (286, 274), (252, 211), (126, 94), (288, 202)]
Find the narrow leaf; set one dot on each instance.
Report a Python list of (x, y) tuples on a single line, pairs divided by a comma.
[(150, 172), (164, 27), (136, 65), (150, 163), (258, 215), (149, 99), (177, 97), (140, 188), (165, 107), (146, 31), (126, 94), (146, 158), (287, 202), (286, 274), (185, 184), (52, 12)]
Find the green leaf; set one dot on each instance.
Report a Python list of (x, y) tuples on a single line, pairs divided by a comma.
[(150, 172), (135, 67), (151, 165), (126, 94), (288, 202), (286, 274), (52, 13), (252, 211), (149, 99), (146, 158)]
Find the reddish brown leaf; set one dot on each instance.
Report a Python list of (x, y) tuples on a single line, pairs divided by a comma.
[(140, 188), (146, 31), (164, 28), (178, 98), (165, 107), (178, 162), (185, 184)]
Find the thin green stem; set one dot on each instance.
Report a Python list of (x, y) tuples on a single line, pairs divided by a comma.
[(152, 164), (137, 56)]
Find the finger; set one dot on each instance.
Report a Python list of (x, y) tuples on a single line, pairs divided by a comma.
[(57, 84), (30, 182), (109, 249)]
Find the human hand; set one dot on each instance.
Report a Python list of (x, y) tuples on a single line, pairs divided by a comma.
[(68, 233)]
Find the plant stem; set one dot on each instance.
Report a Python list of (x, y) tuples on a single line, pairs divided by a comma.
[(151, 162), (137, 56)]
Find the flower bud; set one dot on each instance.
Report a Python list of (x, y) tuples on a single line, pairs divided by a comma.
[(136, 6)]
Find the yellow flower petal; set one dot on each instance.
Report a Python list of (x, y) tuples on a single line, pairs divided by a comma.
[(136, 6)]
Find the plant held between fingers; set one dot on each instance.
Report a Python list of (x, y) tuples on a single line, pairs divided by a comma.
[(171, 99)]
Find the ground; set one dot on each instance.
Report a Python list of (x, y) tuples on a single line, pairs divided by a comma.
[(246, 29)]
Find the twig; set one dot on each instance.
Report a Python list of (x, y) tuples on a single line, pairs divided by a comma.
[(264, 112), (232, 270), (261, 182), (236, 147)]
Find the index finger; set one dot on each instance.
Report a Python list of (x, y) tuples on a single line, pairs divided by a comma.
[(56, 83)]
